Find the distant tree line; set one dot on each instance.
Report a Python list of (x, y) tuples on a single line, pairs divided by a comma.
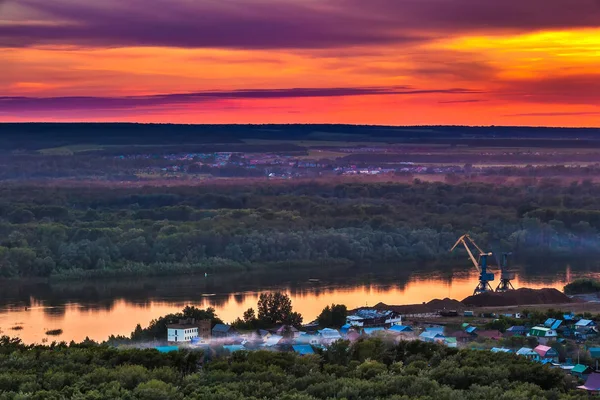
[(79, 232)]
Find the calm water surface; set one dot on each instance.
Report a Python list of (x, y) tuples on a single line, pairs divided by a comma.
[(99, 309)]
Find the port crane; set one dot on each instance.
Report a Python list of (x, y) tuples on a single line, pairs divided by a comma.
[(505, 275), (480, 264)]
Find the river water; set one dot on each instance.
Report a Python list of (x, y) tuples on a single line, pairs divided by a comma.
[(101, 308)]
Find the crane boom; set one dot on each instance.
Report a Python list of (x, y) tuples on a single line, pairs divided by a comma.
[(480, 264), (462, 241)]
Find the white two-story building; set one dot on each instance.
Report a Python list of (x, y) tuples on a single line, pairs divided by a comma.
[(181, 332)]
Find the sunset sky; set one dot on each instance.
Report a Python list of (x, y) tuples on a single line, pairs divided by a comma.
[(400, 62)]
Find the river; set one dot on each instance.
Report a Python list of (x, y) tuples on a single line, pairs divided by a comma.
[(101, 308)]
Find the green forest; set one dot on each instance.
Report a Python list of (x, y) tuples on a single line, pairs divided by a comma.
[(367, 369), (74, 232)]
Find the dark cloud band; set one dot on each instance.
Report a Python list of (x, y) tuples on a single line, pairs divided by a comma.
[(25, 104), (270, 24)]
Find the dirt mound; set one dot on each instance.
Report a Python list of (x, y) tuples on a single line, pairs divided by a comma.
[(446, 304), (517, 297)]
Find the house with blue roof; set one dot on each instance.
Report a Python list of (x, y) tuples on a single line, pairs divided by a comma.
[(400, 329), (431, 336), (438, 329), (223, 331), (594, 352), (528, 353), (585, 323), (569, 317), (345, 328), (500, 350), (556, 324), (549, 322), (303, 349), (471, 330), (517, 330), (585, 328)]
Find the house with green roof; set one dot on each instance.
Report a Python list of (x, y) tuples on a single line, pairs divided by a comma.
[(581, 370)]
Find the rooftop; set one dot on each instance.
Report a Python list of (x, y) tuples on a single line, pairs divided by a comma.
[(221, 328), (366, 313), (303, 349), (181, 326)]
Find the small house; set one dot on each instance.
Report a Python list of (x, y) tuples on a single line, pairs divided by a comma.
[(569, 317), (595, 352), (370, 318), (500, 350), (272, 340), (471, 330), (221, 331), (543, 334), (528, 353), (451, 342), (328, 336), (517, 330), (592, 384), (307, 338), (581, 370), (286, 331), (431, 337), (345, 329), (547, 353), (468, 314), (584, 323), (463, 337), (303, 349), (436, 329), (549, 322), (397, 329)]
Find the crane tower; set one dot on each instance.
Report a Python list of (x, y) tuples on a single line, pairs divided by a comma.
[(505, 275), (480, 264)]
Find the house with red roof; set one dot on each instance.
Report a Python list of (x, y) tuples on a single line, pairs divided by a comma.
[(547, 353)]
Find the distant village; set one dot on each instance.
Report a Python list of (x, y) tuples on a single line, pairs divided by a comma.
[(539, 343), (339, 162)]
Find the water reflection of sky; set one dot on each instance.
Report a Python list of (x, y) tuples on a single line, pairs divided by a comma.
[(101, 309)]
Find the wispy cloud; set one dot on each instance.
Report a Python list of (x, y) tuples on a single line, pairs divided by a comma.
[(25, 104)]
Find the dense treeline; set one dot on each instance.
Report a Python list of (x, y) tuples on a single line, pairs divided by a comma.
[(368, 369), (43, 135), (97, 231)]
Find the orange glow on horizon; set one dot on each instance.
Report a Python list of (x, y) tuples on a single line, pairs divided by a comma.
[(542, 78)]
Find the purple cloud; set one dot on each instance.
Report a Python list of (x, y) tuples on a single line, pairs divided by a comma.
[(27, 104), (265, 24)]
